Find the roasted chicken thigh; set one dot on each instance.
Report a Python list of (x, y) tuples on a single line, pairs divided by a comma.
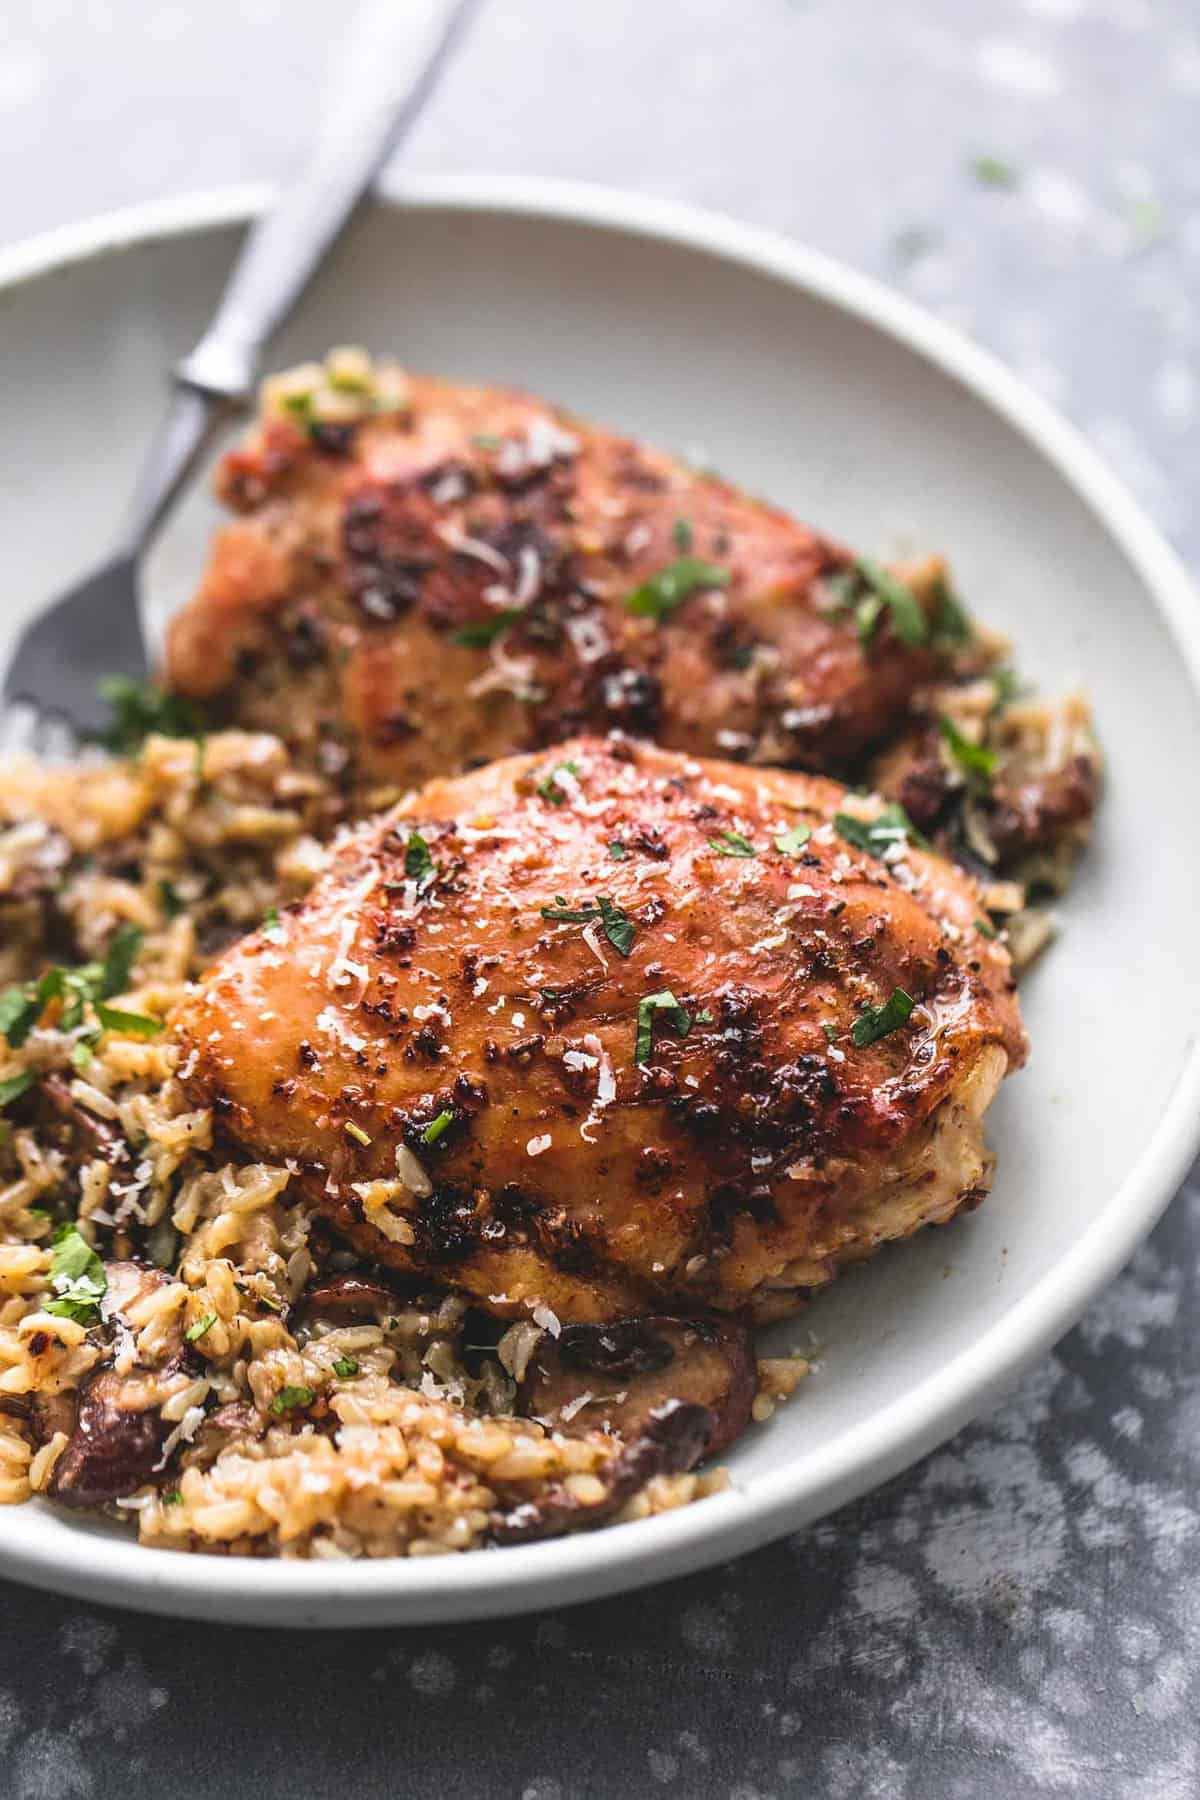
[(611, 1031), (424, 576)]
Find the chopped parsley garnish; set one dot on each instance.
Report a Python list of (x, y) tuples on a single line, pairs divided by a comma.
[(418, 862), (867, 614), (345, 1367), (436, 1127), (1006, 685), (15, 1086), (300, 406), (195, 1332), (731, 843), (290, 1397), (908, 621), (951, 623), (89, 985), (875, 836), (791, 843), (486, 440), (19, 1013), (976, 761), (169, 899), (830, 1030), (174, 1498), (348, 381), (548, 788), (77, 1277), (985, 928), (617, 850), (21, 1008), (357, 1133), (139, 709), (617, 925), (119, 959), (483, 632), (562, 914), (875, 1022), (271, 919), (673, 1014), (682, 534), (659, 596), (132, 1024), (994, 172)]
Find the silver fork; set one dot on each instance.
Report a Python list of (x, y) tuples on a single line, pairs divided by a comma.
[(51, 687)]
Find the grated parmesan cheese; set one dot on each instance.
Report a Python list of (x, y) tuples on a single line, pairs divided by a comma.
[(410, 1173)]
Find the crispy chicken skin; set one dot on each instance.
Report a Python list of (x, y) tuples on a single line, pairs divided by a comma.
[(449, 581), (483, 1095)]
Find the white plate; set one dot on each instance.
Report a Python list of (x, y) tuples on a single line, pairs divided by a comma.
[(812, 385)]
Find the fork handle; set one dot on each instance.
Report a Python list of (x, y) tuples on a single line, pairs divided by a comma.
[(189, 422), (365, 122)]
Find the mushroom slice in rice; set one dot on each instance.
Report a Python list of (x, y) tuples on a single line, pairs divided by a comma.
[(617, 1375), (672, 1440), (116, 1438), (674, 1390)]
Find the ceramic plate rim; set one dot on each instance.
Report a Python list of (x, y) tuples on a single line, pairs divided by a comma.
[(513, 1580)]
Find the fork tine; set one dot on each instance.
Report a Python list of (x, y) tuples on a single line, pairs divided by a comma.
[(47, 736), (63, 654), (18, 730), (56, 740)]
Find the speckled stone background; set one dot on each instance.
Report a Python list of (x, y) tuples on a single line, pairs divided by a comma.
[(1020, 1614)]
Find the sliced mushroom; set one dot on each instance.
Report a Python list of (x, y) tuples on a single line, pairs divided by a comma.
[(50, 1412), (83, 1135), (117, 1434), (238, 1418), (354, 1297), (113, 1448), (923, 786), (41, 878), (672, 1438), (1037, 812), (673, 1390), (127, 1282), (30, 906), (614, 1376)]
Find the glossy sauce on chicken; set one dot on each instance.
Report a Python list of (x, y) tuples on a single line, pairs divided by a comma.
[(613, 1031)]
